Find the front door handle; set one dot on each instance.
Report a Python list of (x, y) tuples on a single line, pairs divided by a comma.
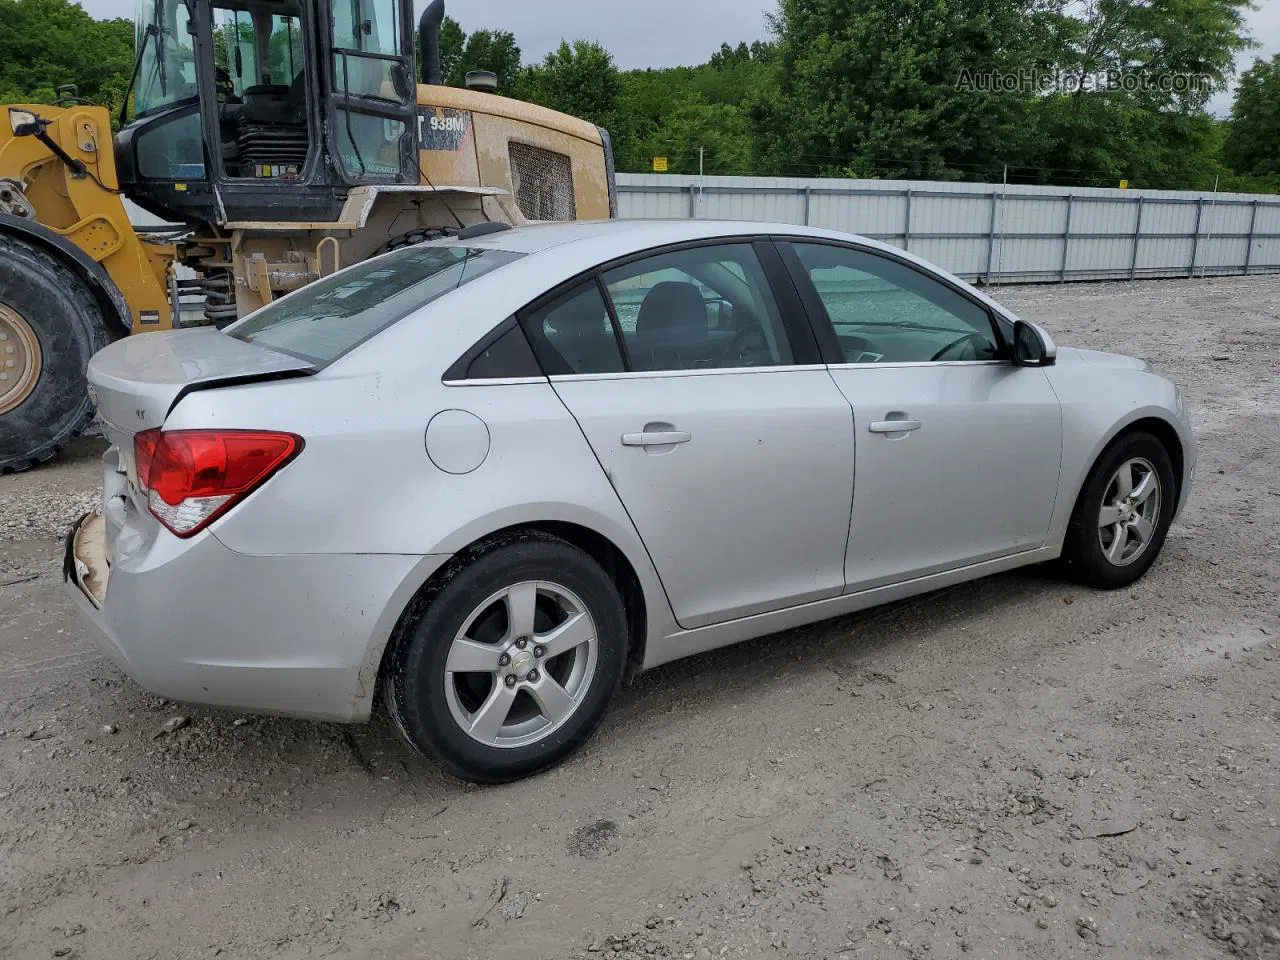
[(655, 438), (894, 426)]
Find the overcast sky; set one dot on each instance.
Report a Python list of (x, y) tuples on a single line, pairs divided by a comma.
[(664, 33)]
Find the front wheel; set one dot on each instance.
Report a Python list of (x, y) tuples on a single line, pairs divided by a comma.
[(511, 666), (1123, 513)]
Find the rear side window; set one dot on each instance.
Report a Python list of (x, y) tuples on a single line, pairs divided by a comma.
[(576, 333), (330, 317)]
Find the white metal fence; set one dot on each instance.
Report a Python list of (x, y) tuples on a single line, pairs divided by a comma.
[(992, 232)]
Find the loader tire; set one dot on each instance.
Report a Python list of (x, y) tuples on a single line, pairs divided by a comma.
[(51, 326), (412, 238)]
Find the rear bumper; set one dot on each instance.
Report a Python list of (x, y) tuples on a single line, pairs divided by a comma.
[(300, 635)]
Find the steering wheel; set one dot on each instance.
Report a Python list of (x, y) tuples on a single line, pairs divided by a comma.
[(977, 340), (748, 348)]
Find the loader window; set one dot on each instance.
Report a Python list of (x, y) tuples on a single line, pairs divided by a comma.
[(259, 65), (373, 93), (167, 72), (366, 26), (241, 61), (369, 145)]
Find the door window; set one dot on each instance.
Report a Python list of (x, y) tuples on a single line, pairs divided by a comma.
[(367, 26), (884, 311), (237, 47), (696, 309), (369, 145), (363, 32)]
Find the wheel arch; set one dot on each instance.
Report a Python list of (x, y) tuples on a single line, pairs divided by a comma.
[(1146, 421), (115, 310), (615, 562)]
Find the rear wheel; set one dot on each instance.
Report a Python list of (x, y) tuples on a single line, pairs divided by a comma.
[(511, 666), (50, 326), (1123, 513)]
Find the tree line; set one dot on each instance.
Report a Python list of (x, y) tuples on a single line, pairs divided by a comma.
[(1070, 92)]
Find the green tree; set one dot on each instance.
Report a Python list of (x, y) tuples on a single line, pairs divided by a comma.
[(48, 43), (869, 87), (452, 40), (1151, 128), (1252, 146), (493, 50), (578, 78)]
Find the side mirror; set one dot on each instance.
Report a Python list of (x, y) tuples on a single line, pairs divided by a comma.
[(23, 123), (1032, 346)]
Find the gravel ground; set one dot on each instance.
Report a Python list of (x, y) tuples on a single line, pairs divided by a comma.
[(1013, 768)]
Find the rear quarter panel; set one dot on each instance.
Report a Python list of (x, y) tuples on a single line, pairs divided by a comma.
[(365, 484)]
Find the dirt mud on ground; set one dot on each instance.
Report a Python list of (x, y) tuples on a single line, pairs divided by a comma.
[(1013, 768)]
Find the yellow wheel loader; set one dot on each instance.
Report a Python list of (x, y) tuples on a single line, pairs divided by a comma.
[(279, 140)]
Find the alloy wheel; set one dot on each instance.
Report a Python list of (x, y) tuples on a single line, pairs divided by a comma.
[(1130, 512), (521, 665)]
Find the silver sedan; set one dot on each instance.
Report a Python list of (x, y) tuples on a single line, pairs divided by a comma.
[(487, 477)]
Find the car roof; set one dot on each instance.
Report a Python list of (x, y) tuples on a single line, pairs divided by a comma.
[(638, 234)]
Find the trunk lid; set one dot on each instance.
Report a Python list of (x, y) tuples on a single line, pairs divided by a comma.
[(136, 381)]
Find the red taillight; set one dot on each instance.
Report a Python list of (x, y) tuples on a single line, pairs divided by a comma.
[(194, 476)]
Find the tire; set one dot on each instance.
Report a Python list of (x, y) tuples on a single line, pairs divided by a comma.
[(411, 239), (1092, 551), (517, 736), (57, 310)]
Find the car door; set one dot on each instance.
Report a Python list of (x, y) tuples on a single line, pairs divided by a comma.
[(957, 451), (733, 459)]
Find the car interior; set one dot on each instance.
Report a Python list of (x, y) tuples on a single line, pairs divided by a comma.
[(702, 314), (886, 312)]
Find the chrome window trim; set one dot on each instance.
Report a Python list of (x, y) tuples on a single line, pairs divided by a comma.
[(493, 381), (920, 363), (711, 372), (720, 371)]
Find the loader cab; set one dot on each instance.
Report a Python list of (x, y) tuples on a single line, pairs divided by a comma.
[(268, 110)]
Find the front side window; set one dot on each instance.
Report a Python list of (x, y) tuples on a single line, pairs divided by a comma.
[(330, 317), (884, 311), (701, 308)]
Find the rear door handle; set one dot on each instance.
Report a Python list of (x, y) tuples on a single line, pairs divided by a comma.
[(655, 438), (894, 426)]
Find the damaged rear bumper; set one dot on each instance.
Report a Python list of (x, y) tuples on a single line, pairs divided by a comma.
[(192, 620)]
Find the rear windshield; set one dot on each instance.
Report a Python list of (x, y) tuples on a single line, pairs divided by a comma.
[(326, 319)]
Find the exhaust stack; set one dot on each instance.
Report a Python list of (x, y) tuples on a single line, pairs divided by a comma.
[(429, 41)]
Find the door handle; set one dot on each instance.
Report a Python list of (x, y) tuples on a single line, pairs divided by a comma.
[(894, 426), (655, 438)]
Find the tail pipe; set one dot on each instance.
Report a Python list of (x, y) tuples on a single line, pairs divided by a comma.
[(429, 41)]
